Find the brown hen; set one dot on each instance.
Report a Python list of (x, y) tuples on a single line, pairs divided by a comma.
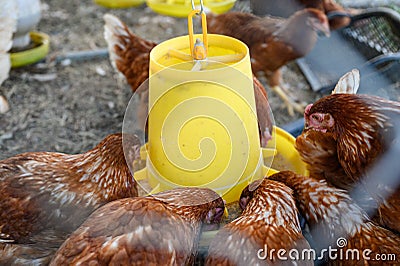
[(268, 223), (338, 222), (273, 41), (47, 195), (130, 55), (361, 128), (162, 229)]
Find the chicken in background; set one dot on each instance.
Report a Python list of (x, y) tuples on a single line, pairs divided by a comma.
[(286, 8), (162, 229), (8, 25), (47, 195), (268, 222), (264, 113), (360, 128), (328, 7), (336, 221), (130, 55), (273, 42), (38, 252)]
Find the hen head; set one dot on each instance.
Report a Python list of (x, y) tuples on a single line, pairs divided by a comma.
[(306, 21), (319, 120), (248, 193), (300, 31), (200, 204), (322, 115), (362, 125), (317, 21)]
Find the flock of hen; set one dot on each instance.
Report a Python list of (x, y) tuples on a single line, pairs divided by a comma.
[(84, 209)]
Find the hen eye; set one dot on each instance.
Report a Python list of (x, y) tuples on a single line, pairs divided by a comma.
[(316, 117)]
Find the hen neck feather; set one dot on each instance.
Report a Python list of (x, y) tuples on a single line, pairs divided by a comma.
[(192, 204), (329, 205), (103, 167), (358, 129), (275, 206), (297, 34)]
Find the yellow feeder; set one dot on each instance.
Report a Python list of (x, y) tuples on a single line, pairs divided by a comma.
[(32, 55), (202, 124), (180, 8), (119, 3)]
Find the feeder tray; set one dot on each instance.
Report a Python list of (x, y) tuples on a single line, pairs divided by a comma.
[(119, 3), (370, 43), (32, 55), (181, 8)]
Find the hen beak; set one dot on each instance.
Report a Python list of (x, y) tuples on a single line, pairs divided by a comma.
[(226, 213), (306, 113)]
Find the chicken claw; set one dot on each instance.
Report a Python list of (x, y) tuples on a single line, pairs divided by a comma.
[(289, 102)]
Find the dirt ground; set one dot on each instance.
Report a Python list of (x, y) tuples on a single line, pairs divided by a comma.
[(70, 105)]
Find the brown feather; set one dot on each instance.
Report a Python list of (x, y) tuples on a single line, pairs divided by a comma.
[(363, 129), (129, 54), (269, 220), (159, 230), (331, 214), (264, 113), (47, 190), (319, 153)]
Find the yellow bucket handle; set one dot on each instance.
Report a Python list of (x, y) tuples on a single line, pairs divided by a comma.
[(198, 50)]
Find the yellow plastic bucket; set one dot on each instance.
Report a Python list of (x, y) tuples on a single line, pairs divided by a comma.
[(119, 3), (203, 127), (33, 55)]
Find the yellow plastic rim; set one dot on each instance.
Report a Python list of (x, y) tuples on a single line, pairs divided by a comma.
[(34, 55), (181, 8), (119, 3), (284, 146)]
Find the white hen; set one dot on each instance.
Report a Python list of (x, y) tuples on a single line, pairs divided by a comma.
[(8, 24)]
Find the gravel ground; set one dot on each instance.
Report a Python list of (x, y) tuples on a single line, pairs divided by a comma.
[(364, 3)]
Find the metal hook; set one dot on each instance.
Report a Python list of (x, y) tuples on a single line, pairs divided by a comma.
[(201, 50), (201, 6)]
